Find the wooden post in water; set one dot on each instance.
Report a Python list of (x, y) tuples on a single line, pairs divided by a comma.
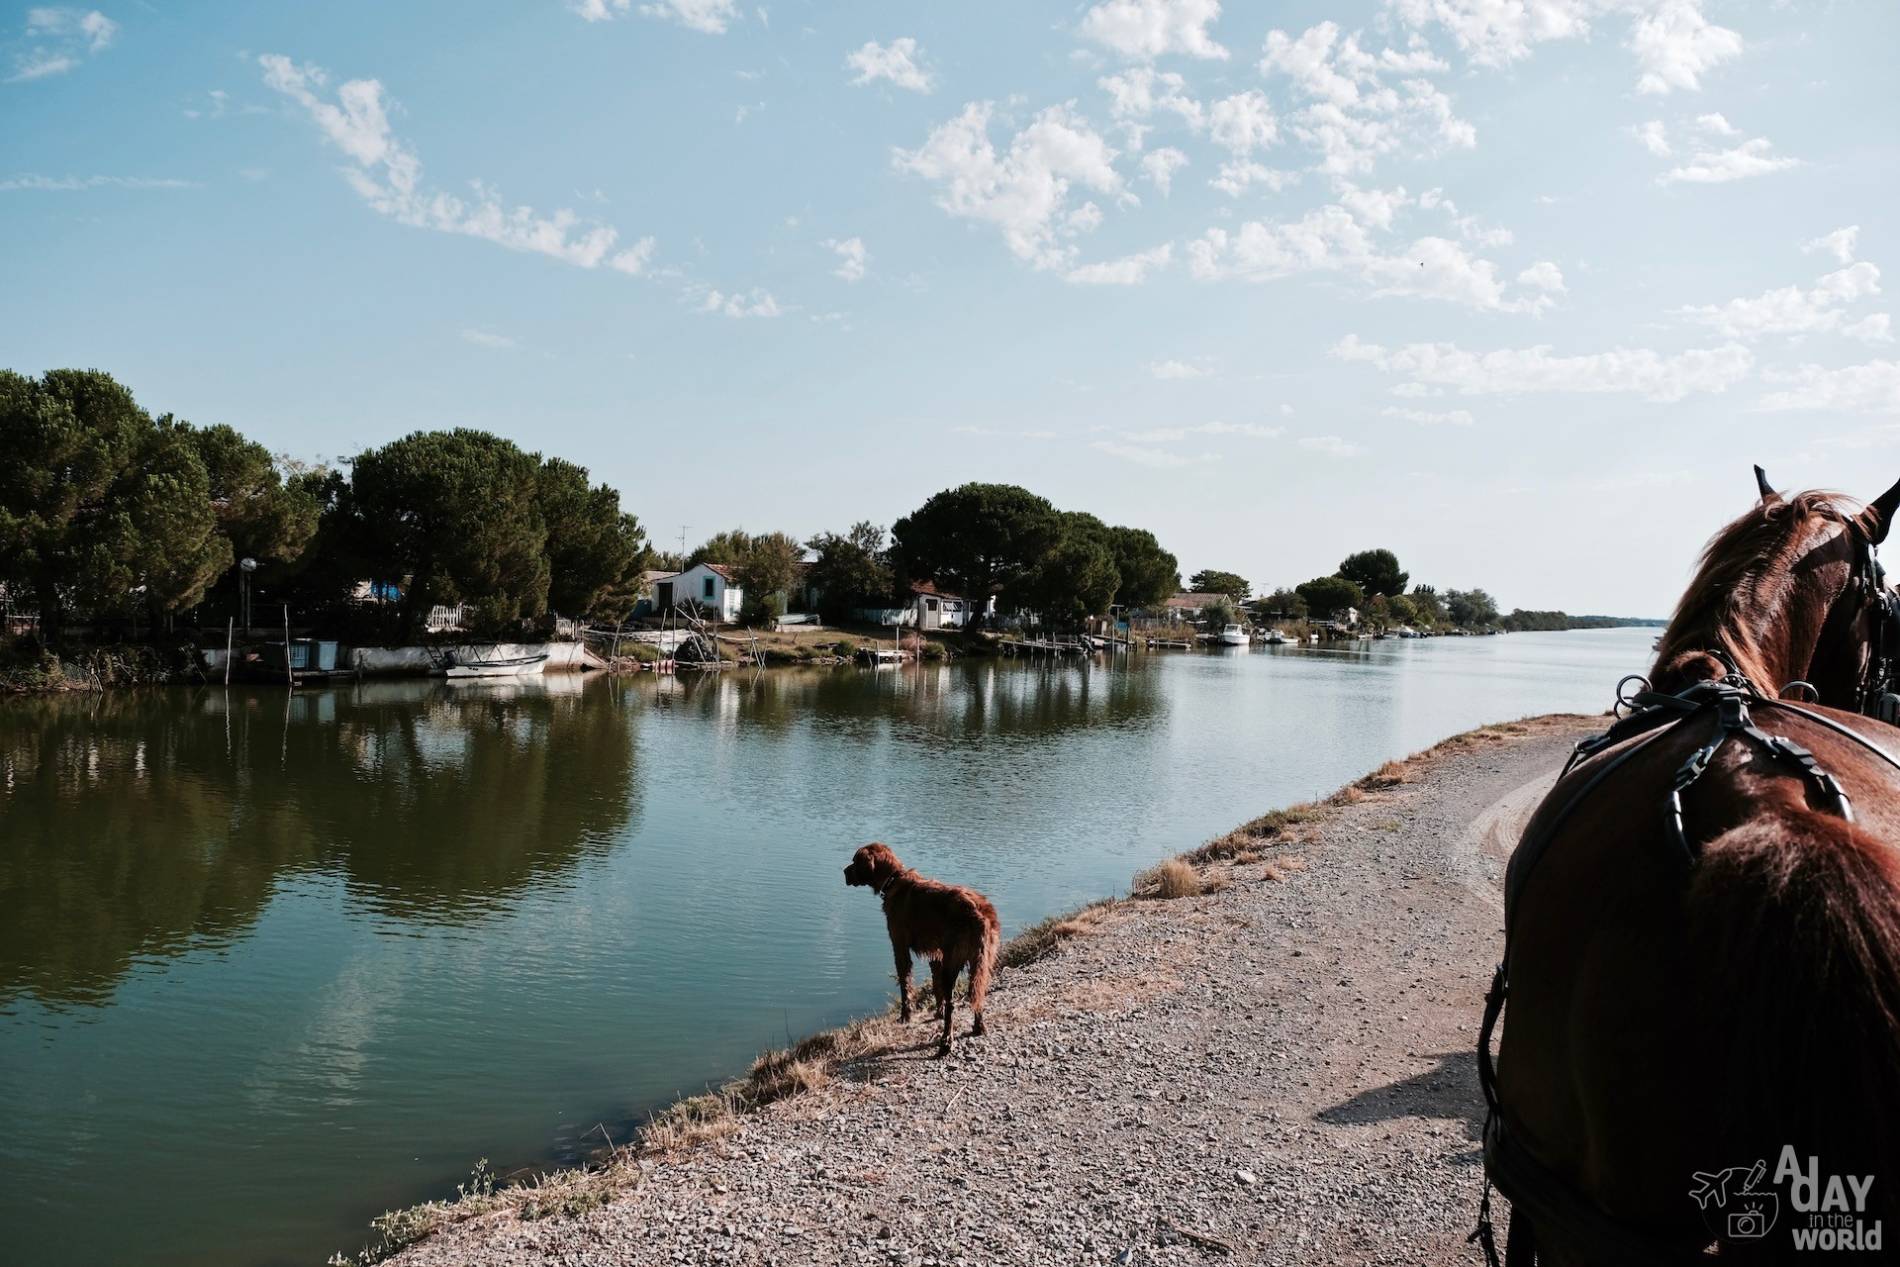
[(290, 677), (230, 625)]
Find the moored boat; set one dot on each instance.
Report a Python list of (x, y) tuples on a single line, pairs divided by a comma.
[(1233, 635), (461, 665)]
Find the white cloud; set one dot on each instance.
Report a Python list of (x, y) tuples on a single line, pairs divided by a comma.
[(1544, 276), (387, 175), (1171, 435), (58, 40), (1526, 371), (1840, 243), (1333, 446), (1239, 175), (1144, 455), (1154, 28), (1750, 158), (1654, 136), (1353, 116), (1129, 270), (1160, 165), (487, 339), (1375, 207), (1330, 239), (752, 303), (852, 258), (67, 184), (1243, 122), (1716, 123), (1024, 192), (1873, 388), (710, 16), (39, 64), (1429, 417), (1675, 44), (1177, 369), (1793, 311), (1141, 92), (895, 62)]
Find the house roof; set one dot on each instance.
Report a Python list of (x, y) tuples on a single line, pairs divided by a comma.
[(1192, 602), (925, 587), (722, 569), (655, 574)]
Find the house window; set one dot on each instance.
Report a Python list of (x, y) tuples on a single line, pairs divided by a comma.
[(709, 589)]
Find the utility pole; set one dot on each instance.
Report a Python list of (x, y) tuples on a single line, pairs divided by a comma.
[(683, 528)]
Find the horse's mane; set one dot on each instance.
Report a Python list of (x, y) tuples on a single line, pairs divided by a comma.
[(1746, 571)]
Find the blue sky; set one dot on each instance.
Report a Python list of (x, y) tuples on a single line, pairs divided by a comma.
[(1518, 288)]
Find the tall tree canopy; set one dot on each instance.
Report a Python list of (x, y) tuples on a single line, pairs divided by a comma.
[(460, 512), (595, 550), (1148, 574), (1214, 581), (101, 508), (1375, 572), (1425, 601), (1471, 607), (769, 569), (1074, 578), (261, 515), (977, 539), (852, 570), (1282, 602), (1327, 596)]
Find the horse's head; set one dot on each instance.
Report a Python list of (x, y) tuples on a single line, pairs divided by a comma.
[(1789, 592)]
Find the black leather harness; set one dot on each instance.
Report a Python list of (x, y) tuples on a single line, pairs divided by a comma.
[(1550, 1203)]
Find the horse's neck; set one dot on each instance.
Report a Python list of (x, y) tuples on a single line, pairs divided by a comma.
[(1765, 656)]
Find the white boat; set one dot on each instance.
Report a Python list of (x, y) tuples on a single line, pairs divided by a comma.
[(1275, 638), (462, 665), (1233, 635)]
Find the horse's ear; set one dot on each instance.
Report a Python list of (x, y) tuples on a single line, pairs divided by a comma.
[(1878, 517), (1768, 493)]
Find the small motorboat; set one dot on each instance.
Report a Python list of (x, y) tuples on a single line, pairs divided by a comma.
[(1233, 635), (1275, 638), (468, 665)]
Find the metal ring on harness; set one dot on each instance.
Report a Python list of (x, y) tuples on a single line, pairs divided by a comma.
[(1813, 696), (1627, 700)]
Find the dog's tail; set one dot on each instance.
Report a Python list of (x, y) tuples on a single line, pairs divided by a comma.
[(984, 965)]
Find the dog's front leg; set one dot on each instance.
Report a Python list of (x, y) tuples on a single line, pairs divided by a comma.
[(900, 950)]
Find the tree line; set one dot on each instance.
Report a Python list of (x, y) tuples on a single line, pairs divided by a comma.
[(1372, 583), (111, 514)]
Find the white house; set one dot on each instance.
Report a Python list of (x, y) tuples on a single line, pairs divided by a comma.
[(711, 587)]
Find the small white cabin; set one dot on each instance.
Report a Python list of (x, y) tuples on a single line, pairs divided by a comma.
[(711, 587)]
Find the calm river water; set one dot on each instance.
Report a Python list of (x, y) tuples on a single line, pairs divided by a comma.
[(270, 964)]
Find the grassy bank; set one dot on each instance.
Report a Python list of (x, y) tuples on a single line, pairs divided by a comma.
[(1268, 848), (27, 668)]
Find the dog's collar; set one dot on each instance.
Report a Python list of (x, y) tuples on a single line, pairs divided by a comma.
[(886, 886)]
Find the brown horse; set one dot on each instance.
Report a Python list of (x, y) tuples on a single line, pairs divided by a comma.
[(1703, 929)]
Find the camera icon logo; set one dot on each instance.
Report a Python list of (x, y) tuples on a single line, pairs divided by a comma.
[(1738, 1203)]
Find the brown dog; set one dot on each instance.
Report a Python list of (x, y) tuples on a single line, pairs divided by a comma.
[(947, 924)]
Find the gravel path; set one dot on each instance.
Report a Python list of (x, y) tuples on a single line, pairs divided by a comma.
[(1279, 1071)]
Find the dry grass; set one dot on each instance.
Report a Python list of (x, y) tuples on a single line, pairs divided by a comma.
[(1040, 939), (1274, 827), (1280, 869), (1174, 878)]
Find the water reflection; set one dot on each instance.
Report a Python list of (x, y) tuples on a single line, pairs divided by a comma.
[(139, 824)]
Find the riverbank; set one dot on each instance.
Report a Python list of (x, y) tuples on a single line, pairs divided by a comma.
[(33, 671), (1275, 1066)]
